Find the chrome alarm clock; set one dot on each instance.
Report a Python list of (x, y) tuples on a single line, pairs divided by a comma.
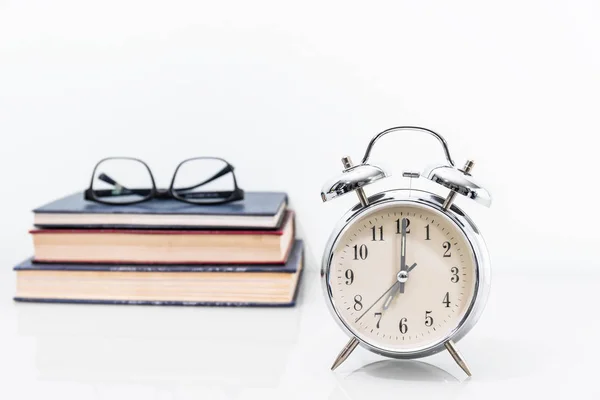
[(406, 273)]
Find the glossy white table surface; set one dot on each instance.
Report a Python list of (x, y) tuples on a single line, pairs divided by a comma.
[(537, 339)]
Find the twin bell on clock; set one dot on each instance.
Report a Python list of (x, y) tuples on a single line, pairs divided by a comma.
[(406, 273)]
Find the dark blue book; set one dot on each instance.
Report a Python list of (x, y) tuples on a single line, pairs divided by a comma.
[(258, 210), (206, 285)]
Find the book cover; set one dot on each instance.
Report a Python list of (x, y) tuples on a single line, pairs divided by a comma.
[(62, 283), (115, 246), (256, 210), (290, 266)]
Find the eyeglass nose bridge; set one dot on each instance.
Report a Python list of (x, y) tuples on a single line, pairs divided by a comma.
[(162, 193)]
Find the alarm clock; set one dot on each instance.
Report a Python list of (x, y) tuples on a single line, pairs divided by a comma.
[(406, 273)]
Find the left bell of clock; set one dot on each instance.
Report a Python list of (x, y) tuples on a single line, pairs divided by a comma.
[(352, 179)]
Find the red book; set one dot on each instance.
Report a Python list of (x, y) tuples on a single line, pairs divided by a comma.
[(165, 246)]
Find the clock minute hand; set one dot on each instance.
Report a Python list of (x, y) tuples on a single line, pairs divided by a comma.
[(403, 251)]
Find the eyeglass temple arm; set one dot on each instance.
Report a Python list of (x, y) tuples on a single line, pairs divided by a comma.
[(105, 178), (123, 191), (207, 195), (228, 168)]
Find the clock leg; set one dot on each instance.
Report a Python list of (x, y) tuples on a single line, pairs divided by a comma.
[(451, 347), (346, 351)]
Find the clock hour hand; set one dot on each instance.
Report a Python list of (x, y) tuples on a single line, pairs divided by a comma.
[(377, 301), (394, 293), (388, 301)]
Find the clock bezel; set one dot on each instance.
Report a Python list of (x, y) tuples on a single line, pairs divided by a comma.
[(455, 215)]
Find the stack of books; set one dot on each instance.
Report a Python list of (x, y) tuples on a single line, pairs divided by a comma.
[(164, 252)]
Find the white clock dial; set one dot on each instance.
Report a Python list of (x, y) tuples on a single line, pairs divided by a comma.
[(402, 303)]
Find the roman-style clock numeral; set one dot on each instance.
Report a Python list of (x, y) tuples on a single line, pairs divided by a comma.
[(349, 277), (362, 252), (427, 232), (377, 233), (446, 300), (447, 246)]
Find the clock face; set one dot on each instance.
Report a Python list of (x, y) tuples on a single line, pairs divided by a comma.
[(402, 278)]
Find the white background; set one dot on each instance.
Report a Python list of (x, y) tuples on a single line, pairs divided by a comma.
[(283, 90)]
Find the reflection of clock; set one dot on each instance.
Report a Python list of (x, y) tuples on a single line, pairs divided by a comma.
[(406, 272)]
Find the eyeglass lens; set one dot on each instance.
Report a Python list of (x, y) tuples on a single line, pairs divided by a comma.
[(121, 181), (204, 180)]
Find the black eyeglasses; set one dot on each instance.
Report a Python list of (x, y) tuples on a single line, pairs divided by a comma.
[(201, 180)]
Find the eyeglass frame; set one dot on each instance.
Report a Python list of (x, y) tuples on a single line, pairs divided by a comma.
[(154, 193)]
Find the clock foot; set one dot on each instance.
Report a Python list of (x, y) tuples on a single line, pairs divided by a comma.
[(451, 347), (346, 351)]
